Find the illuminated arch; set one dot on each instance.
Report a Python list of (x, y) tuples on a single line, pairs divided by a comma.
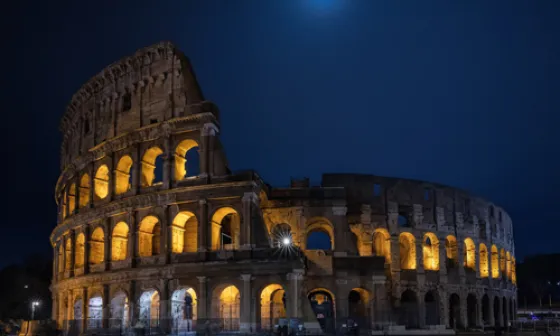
[(323, 302), (451, 251), (407, 251), (68, 254), (430, 252), (225, 302), (503, 261), (273, 305), (184, 233), (508, 265), (382, 244), (469, 254), (181, 157), (316, 225), (226, 229), (183, 309), (84, 190), (150, 307), (95, 312), (79, 257), (119, 310), (358, 302), (97, 246), (149, 166), (101, 182), (495, 262), (71, 198), (483, 255), (122, 175), (149, 237), (119, 242)]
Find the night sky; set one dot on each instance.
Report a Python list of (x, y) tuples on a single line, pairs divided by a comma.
[(465, 93)]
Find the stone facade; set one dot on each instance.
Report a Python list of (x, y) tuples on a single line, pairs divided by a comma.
[(145, 237)]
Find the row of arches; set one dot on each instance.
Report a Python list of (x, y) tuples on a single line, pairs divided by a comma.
[(186, 164), (492, 263)]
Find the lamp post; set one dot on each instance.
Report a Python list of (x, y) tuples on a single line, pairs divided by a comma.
[(34, 304)]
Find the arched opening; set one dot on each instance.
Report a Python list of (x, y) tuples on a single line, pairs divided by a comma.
[(72, 198), (227, 309), (431, 301), (149, 237), (119, 311), (451, 251), (486, 309), (119, 242), (503, 262), (322, 304), (402, 220), (469, 255), (495, 262), (60, 258), (497, 320), (382, 244), (430, 252), (319, 234), (273, 306), (97, 247), (184, 230), (187, 161), (123, 180), (101, 182), (68, 254), (407, 251), (183, 310), (454, 311), (95, 310), (472, 311), (79, 256), (150, 162), (358, 305), (408, 315), (149, 308), (483, 251), (76, 325), (84, 191), (226, 229), (281, 235), (505, 311)]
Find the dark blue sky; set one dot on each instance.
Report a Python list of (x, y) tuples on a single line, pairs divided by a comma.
[(464, 93)]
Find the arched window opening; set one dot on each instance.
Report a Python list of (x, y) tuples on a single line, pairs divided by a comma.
[(281, 235), (187, 162), (183, 310), (431, 301), (101, 182), (80, 248), (472, 311), (503, 262), (229, 308), (358, 304), (68, 256), (451, 251), (318, 239), (226, 229), (84, 191), (72, 198), (382, 244), (119, 311), (150, 308), (454, 311), (78, 315), (123, 178), (184, 233), (119, 243), (408, 315), (407, 249), (273, 306), (483, 251), (95, 310), (403, 221), (97, 247), (322, 303), (495, 262), (430, 251), (149, 236), (150, 163), (469, 261)]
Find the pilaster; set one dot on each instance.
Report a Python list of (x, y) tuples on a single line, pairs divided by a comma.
[(203, 237), (106, 307), (294, 297), (203, 298), (87, 248), (249, 200), (245, 323)]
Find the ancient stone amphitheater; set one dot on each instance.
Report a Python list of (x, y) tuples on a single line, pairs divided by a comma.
[(155, 231)]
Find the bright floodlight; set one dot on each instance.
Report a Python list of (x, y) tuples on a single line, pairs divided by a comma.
[(35, 303), (286, 241)]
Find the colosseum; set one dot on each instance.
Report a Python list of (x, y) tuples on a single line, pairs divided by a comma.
[(155, 231)]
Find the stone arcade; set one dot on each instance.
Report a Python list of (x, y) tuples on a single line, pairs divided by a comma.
[(147, 238)]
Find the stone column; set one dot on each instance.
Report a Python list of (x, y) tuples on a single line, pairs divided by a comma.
[(203, 239), (132, 240), (491, 320), (444, 310), (106, 307), (54, 311), (380, 302), (500, 321), (442, 259), (85, 309), (77, 195), (209, 132), (107, 243), (91, 172), (167, 163), (341, 231), (86, 249), (55, 263), (245, 316), (135, 170), (463, 313), (461, 259), (72, 252), (480, 312), (249, 200), (165, 241), (506, 313), (164, 307), (294, 297), (202, 312), (421, 308), (132, 315)]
